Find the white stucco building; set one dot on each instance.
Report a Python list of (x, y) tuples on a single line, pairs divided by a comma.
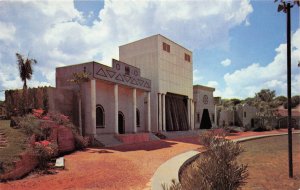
[(149, 89), (169, 66), (204, 107)]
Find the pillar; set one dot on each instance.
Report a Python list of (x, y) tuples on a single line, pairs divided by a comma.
[(116, 108), (163, 112), (216, 117), (192, 115), (93, 106), (134, 109), (189, 112), (159, 113), (149, 112)]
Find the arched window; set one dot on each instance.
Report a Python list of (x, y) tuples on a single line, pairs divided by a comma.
[(100, 117), (138, 118)]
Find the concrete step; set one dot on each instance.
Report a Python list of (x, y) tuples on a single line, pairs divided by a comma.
[(108, 140), (177, 134)]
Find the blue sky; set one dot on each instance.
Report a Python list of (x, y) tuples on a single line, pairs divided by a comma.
[(238, 45)]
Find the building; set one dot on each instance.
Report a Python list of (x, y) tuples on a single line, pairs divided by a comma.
[(244, 115), (116, 100), (204, 107), (2, 111), (169, 66)]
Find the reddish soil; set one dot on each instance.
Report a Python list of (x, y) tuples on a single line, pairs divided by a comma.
[(121, 167)]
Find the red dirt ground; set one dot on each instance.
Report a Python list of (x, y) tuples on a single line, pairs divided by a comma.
[(122, 167)]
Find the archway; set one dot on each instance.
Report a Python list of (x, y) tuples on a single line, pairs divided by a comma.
[(205, 120), (121, 120)]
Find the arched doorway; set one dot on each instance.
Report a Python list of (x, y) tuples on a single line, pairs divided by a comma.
[(121, 120), (205, 121)]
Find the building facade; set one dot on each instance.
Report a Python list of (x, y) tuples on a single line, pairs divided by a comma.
[(204, 107), (116, 100), (169, 66)]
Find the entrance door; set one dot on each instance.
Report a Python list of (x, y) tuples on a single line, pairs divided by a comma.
[(205, 121), (176, 112), (121, 120)]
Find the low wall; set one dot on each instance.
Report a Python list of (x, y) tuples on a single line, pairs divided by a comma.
[(133, 138)]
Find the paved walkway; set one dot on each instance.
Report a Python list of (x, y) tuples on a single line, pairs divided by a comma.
[(122, 167)]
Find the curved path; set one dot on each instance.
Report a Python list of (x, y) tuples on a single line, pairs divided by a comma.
[(121, 167)]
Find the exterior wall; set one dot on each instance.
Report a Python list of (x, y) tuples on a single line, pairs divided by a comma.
[(63, 101), (126, 76), (175, 74), (250, 113), (199, 93), (226, 118), (168, 72)]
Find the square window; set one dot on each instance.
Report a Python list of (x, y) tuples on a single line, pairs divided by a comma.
[(187, 57), (166, 47)]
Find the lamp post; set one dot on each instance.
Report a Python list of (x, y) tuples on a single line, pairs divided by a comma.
[(285, 6)]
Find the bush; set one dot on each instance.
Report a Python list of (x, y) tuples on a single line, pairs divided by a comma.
[(217, 168), (174, 186), (45, 151), (81, 142), (30, 125)]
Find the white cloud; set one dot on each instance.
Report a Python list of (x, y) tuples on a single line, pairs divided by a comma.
[(226, 62), (197, 78), (54, 32), (247, 81)]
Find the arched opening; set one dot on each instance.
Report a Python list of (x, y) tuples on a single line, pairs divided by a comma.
[(138, 124), (100, 117), (121, 120), (205, 121)]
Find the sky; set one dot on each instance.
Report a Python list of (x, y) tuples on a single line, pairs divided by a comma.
[(239, 46)]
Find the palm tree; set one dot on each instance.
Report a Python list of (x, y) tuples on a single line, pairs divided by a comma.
[(78, 79), (25, 70)]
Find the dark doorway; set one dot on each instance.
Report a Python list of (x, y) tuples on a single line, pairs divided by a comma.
[(205, 121), (176, 112), (121, 120)]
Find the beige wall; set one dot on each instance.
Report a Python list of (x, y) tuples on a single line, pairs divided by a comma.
[(199, 93), (168, 72)]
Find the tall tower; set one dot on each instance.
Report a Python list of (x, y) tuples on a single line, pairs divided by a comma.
[(170, 68)]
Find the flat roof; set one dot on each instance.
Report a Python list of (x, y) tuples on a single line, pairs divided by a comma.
[(203, 87), (154, 36)]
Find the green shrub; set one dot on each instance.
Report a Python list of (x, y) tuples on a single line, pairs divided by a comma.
[(45, 151), (217, 168), (30, 125)]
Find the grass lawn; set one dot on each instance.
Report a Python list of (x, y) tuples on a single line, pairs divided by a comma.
[(16, 144), (267, 160)]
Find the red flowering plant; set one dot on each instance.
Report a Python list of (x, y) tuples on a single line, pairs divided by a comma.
[(44, 151), (38, 113)]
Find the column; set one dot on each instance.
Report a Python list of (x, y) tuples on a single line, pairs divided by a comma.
[(93, 107), (159, 113), (192, 115), (216, 123), (134, 109), (189, 112), (163, 112), (116, 96), (149, 112)]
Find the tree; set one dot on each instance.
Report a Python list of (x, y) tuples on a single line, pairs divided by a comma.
[(25, 71), (265, 95), (78, 79), (25, 68), (286, 6)]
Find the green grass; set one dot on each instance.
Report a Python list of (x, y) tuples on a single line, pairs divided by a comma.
[(267, 160), (17, 142)]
